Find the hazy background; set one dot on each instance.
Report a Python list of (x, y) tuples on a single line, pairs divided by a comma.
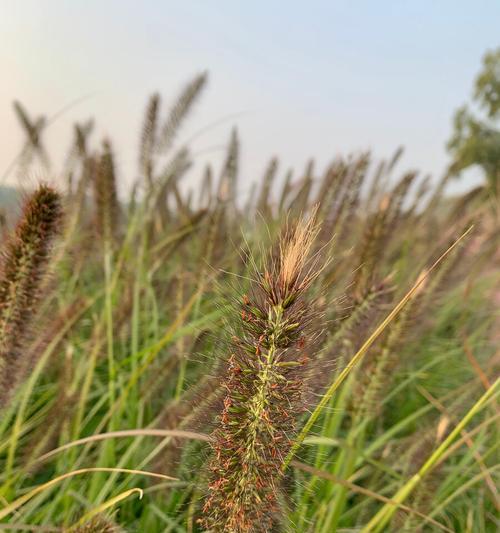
[(304, 79)]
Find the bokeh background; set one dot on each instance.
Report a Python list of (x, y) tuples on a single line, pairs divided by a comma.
[(298, 79)]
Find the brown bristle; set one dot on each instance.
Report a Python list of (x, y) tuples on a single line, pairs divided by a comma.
[(25, 261)]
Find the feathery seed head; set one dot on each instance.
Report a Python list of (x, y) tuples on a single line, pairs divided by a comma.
[(264, 389), (106, 197), (25, 260)]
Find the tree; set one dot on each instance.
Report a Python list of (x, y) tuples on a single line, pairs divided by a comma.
[(476, 141)]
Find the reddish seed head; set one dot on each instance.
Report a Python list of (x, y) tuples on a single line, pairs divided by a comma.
[(263, 395), (26, 258)]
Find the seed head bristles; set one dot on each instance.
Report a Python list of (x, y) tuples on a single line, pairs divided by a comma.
[(375, 191), (106, 198), (293, 256), (423, 189), (398, 197), (264, 388), (180, 111), (33, 145), (264, 206), (348, 189), (159, 214), (226, 192), (98, 524), (205, 198), (149, 139), (300, 202), (250, 203), (352, 200), (25, 260), (333, 202), (82, 133), (285, 191), (371, 248)]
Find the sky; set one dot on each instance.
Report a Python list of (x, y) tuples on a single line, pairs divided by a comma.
[(298, 79)]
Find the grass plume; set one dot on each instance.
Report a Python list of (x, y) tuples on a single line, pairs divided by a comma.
[(26, 257), (106, 198), (264, 389)]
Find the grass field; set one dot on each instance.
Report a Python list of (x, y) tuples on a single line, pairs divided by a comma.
[(319, 356)]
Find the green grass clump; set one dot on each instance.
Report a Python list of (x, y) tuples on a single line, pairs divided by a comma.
[(317, 357)]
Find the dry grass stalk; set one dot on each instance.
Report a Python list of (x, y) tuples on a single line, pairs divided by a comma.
[(263, 203)]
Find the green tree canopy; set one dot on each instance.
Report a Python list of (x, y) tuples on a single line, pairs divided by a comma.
[(476, 140)]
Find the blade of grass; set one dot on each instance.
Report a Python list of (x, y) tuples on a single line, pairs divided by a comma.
[(382, 518), (364, 348), (361, 490), (11, 507), (127, 433), (106, 505)]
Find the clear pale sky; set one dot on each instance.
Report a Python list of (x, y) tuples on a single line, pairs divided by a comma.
[(315, 78)]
